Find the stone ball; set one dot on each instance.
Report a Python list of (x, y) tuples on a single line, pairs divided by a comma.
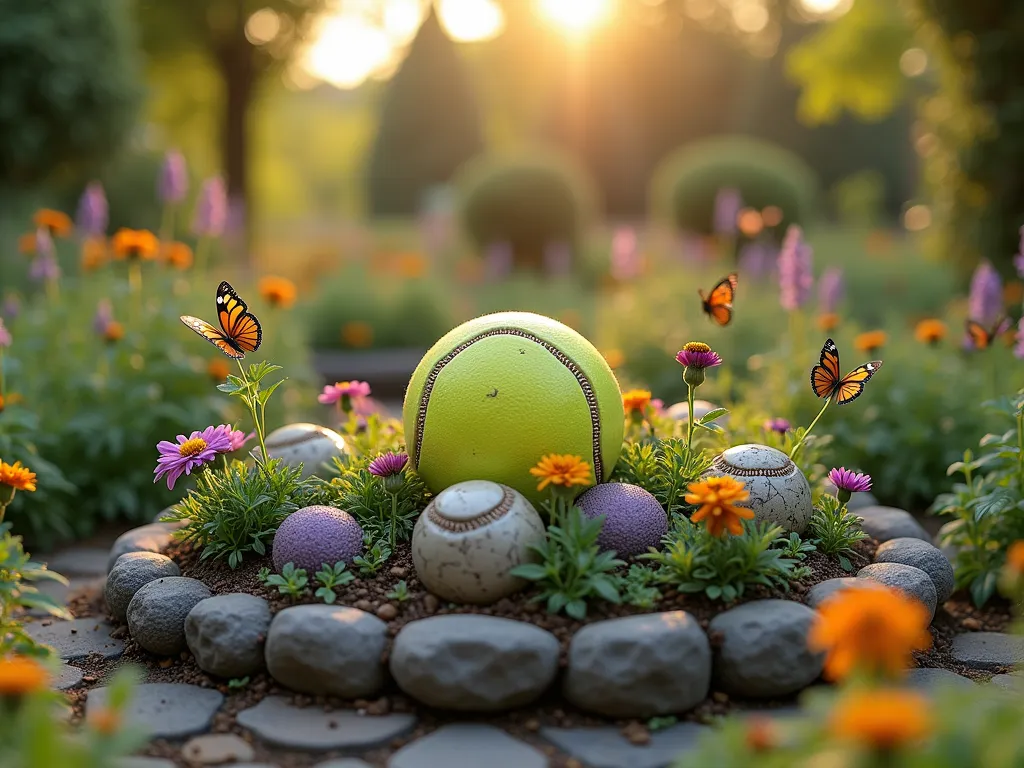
[(156, 615), (779, 492), (310, 445), (633, 519), (130, 573), (681, 411), (470, 536), (312, 536)]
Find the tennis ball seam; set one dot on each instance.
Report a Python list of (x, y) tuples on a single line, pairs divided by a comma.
[(559, 355), (507, 500), (722, 465)]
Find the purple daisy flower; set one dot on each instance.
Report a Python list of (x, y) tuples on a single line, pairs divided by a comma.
[(696, 354), (778, 424), (188, 453), (236, 437), (388, 464), (849, 481)]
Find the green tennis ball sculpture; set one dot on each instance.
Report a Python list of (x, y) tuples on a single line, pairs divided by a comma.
[(498, 392)]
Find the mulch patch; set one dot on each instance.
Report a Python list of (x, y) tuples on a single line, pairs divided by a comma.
[(370, 594)]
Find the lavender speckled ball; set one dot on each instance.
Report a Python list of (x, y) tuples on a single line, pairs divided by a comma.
[(634, 520), (312, 536)]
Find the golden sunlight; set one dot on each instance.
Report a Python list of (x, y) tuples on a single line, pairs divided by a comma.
[(826, 7), (469, 21), (575, 16), (348, 50)]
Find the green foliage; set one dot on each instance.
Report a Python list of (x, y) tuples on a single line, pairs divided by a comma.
[(663, 467), (291, 581), (834, 530), (399, 592), (722, 567), (987, 508), (36, 733), (374, 558), (238, 683), (795, 548), (330, 577), (18, 575), (637, 587), (572, 569), (526, 200), (363, 496), (68, 111), (686, 183), (237, 509)]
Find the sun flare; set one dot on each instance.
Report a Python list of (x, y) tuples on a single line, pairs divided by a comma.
[(575, 16)]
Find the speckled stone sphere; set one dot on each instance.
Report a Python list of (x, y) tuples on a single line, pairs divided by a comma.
[(634, 520), (681, 411), (470, 536), (310, 445), (312, 536), (779, 492)]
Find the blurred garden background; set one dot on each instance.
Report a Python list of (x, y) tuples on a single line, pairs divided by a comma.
[(370, 173)]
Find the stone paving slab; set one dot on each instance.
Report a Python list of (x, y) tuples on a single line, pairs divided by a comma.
[(217, 748), (927, 679), (77, 638), (468, 745), (68, 678), (60, 592), (282, 724), (1011, 682), (344, 762), (606, 747), (80, 561), (166, 710), (988, 650)]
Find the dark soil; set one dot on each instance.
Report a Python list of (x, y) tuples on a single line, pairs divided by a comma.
[(370, 594)]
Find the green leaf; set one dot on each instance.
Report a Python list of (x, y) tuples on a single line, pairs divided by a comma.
[(576, 609), (710, 427), (605, 589), (983, 587), (713, 591), (530, 571), (711, 415)]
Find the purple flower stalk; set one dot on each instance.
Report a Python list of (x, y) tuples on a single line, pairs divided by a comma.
[(848, 482), (728, 203), (795, 278), (756, 259), (236, 437), (498, 260), (1018, 350), (211, 209), (778, 424), (93, 212), (5, 336), (830, 290), (388, 464), (188, 453), (104, 316), (44, 267), (173, 183), (44, 243), (986, 299), (625, 261), (1018, 260), (11, 307)]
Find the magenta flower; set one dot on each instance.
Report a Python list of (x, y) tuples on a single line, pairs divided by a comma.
[(334, 392), (658, 406), (795, 278), (695, 354), (847, 482), (93, 213), (236, 437), (986, 299), (728, 203), (5, 335), (172, 185), (778, 424), (830, 290), (388, 464), (212, 209), (189, 452)]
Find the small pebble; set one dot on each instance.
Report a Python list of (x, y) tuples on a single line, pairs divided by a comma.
[(572, 762), (364, 605), (379, 707), (636, 733), (431, 604), (387, 612), (533, 724), (399, 571), (720, 696), (971, 623)]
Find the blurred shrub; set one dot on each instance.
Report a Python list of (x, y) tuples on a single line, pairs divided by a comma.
[(685, 184), (860, 198), (68, 75), (130, 184), (528, 201)]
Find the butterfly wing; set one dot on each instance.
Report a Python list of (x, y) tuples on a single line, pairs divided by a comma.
[(718, 304), (238, 323), (979, 336), (852, 385), (212, 335), (825, 377)]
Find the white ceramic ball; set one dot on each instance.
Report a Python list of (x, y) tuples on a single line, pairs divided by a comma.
[(308, 444), (779, 492), (681, 411), (470, 536)]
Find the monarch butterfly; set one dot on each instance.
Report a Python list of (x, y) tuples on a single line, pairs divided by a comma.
[(718, 304), (240, 330), (981, 338), (826, 381)]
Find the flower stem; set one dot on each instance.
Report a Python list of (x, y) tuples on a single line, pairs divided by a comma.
[(256, 420), (167, 224), (1020, 448), (394, 518), (689, 418), (135, 289), (800, 442)]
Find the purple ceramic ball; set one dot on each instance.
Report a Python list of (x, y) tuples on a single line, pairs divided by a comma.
[(634, 520), (312, 536)]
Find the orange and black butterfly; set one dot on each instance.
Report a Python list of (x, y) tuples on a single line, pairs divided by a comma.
[(827, 380), (240, 331), (718, 303), (981, 338)]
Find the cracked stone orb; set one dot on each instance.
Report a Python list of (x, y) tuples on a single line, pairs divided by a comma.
[(779, 492), (470, 536)]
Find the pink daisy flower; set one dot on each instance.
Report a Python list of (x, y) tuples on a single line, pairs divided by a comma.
[(199, 448)]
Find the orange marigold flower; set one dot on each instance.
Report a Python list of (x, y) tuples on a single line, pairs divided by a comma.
[(135, 244), (105, 721), (357, 334), (410, 265), (883, 719), (2, 404), (636, 400), (57, 222), (871, 629), (17, 477), (762, 734), (218, 369), (565, 470), (277, 291), (20, 675), (718, 498), (828, 321), (1015, 558), (614, 358), (94, 252), (113, 332), (178, 255), (930, 331), (871, 341), (27, 244)]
